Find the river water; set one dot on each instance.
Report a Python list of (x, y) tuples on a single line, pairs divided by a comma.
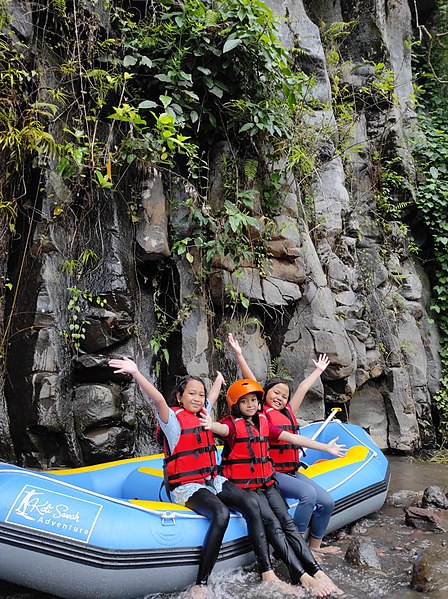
[(396, 546)]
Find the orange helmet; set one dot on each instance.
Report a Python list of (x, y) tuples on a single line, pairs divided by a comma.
[(240, 388)]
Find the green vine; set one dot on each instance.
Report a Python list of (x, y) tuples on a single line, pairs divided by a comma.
[(77, 325), (154, 91), (430, 149), (167, 325)]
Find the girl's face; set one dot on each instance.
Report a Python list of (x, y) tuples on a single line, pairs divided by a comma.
[(193, 397), (249, 404), (277, 396)]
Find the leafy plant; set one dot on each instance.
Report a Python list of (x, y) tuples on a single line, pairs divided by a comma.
[(430, 148), (166, 326), (77, 326), (217, 65), (86, 258)]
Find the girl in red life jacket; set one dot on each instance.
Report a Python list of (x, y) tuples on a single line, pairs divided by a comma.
[(245, 461), (315, 503), (192, 473)]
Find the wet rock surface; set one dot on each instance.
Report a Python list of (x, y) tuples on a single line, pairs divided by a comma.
[(429, 572), (435, 496), (423, 519), (362, 552)]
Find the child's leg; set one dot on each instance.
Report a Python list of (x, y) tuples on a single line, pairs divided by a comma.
[(317, 581), (246, 503), (209, 505), (298, 487), (320, 517), (310, 495), (277, 538), (295, 539)]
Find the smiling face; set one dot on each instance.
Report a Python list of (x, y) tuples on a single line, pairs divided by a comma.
[(249, 404), (277, 396), (193, 397)]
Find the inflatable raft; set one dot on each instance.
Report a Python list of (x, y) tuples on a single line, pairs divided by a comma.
[(110, 532)]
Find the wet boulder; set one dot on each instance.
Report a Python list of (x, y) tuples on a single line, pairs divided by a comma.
[(423, 519), (434, 496), (429, 572), (403, 498), (362, 552), (103, 422)]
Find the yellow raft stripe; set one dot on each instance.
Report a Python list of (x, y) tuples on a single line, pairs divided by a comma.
[(152, 471), (355, 454), (159, 505)]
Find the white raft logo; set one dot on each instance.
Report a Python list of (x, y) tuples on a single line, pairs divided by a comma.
[(50, 511)]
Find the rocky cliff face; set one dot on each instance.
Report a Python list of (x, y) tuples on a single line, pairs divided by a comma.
[(340, 282)]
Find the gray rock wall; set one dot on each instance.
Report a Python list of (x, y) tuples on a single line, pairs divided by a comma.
[(336, 284)]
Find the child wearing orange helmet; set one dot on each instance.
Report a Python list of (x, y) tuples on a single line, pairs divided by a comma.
[(315, 505), (245, 461), (192, 475)]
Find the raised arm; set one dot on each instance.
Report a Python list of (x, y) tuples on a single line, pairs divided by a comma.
[(321, 364), (216, 388), (332, 447), (243, 365), (128, 366)]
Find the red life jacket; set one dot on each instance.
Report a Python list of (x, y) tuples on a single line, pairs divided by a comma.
[(247, 464), (193, 460), (284, 455)]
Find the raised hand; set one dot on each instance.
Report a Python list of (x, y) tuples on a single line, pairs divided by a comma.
[(123, 366), (322, 362), (220, 378), (234, 344)]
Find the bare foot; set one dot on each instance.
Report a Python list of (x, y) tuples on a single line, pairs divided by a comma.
[(317, 587), (271, 578), (330, 550), (316, 547), (327, 582), (198, 592)]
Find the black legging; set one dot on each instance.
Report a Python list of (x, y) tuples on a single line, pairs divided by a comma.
[(216, 509), (283, 534)]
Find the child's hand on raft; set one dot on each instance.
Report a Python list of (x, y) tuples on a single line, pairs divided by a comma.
[(123, 366), (335, 449), (322, 362)]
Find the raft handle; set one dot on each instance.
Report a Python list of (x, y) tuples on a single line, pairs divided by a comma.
[(168, 519)]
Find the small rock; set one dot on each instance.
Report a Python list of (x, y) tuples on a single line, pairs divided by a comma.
[(361, 552), (429, 572), (403, 498), (342, 534), (423, 519), (358, 528), (435, 497)]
